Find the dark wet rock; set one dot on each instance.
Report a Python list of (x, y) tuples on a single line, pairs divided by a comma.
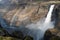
[(18, 34), (2, 33), (52, 34), (0, 26), (28, 38), (57, 17)]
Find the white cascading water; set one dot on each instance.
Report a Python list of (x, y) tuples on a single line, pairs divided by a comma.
[(47, 23), (38, 29), (48, 18)]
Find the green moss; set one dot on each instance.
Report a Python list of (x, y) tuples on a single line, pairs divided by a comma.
[(1, 38)]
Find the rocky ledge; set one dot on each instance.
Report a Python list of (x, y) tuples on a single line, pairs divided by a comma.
[(52, 34)]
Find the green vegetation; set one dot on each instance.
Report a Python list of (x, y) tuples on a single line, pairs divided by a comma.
[(8, 38)]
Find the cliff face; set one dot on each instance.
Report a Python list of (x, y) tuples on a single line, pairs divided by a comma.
[(58, 17), (26, 13), (54, 34), (17, 14)]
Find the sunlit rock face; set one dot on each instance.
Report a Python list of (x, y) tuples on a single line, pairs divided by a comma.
[(24, 15), (16, 15)]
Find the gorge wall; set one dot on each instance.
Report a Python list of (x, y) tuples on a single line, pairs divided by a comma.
[(21, 14)]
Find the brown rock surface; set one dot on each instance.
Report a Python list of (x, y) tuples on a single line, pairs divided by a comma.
[(27, 14), (30, 12), (52, 34)]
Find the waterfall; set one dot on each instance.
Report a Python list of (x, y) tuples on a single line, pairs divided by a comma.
[(38, 29), (48, 18), (47, 23)]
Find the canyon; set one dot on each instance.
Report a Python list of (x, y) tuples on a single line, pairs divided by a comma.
[(19, 15)]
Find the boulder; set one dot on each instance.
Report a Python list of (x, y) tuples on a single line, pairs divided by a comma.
[(52, 34)]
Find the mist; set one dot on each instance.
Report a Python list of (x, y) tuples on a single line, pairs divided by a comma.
[(38, 29)]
